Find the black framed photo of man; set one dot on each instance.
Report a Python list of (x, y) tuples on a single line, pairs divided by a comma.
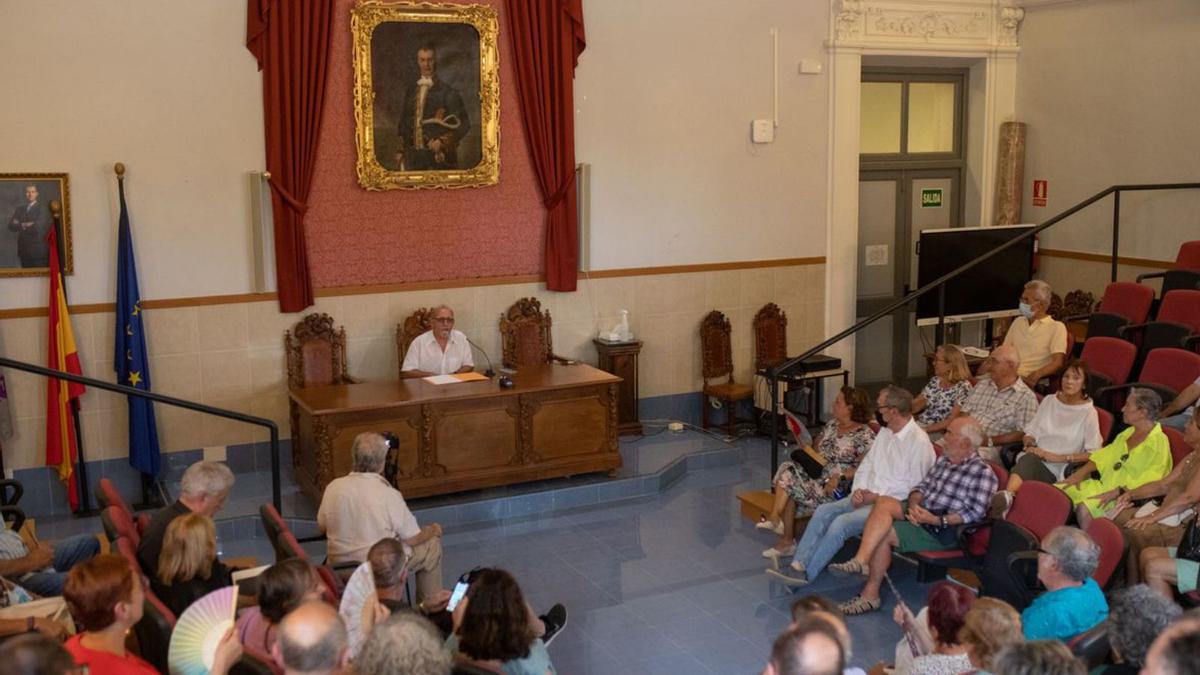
[(27, 203), (426, 95)]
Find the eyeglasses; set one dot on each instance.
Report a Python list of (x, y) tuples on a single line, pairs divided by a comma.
[(1121, 462), (444, 319)]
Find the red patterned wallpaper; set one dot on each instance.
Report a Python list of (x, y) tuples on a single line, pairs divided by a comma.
[(356, 237)]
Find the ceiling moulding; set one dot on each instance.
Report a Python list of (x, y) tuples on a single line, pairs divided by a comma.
[(927, 25)]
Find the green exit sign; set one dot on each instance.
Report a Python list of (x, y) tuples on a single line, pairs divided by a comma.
[(931, 198)]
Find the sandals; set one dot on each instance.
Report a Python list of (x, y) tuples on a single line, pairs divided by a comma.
[(776, 554), (852, 566), (799, 580), (858, 605), (764, 524)]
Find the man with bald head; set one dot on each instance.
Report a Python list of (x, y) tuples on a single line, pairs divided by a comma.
[(1002, 403), (1174, 651), (810, 646), (955, 492), (312, 641)]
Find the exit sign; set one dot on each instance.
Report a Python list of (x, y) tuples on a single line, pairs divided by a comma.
[(931, 198)]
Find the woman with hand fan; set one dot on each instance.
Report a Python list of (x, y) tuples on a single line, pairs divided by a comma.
[(188, 568), (282, 587)]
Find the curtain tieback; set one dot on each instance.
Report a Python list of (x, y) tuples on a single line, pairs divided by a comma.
[(557, 198), (298, 207)]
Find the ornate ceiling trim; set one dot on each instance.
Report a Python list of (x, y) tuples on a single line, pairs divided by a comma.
[(991, 25)]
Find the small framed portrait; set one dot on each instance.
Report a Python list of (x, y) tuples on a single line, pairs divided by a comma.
[(27, 201), (426, 95)]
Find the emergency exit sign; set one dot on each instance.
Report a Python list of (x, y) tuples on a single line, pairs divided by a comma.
[(931, 198)]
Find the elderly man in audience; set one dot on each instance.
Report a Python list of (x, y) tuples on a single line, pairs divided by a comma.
[(442, 350), (1040, 340), (899, 458), (955, 492), (818, 607), (1002, 403), (1174, 651), (361, 508), (312, 641), (1073, 602), (39, 566), (404, 643), (35, 654), (810, 646), (1043, 657), (1136, 616), (204, 489)]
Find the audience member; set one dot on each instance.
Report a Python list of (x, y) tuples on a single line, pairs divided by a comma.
[(188, 568), (1073, 602), (1161, 525), (1136, 615), (405, 643), (954, 492), (819, 607), (990, 626), (1002, 403), (808, 647), (492, 628), (1138, 455), (203, 489), (361, 508), (935, 632), (898, 459), (1065, 429), (842, 444), (1174, 651), (1182, 407), (12, 595), (282, 587), (312, 641), (39, 566), (1165, 571), (35, 654), (1039, 339), (949, 387), (1044, 657)]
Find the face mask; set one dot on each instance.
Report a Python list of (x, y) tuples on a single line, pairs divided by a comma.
[(1026, 310)]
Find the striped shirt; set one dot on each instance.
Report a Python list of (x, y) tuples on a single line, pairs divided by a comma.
[(964, 488)]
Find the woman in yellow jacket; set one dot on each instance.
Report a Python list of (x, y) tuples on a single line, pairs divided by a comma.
[(1138, 455)]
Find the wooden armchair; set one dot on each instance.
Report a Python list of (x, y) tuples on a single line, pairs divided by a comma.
[(716, 361), (417, 323), (770, 336), (525, 335), (316, 356)]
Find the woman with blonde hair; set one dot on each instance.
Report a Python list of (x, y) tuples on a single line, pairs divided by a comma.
[(188, 568), (949, 386), (989, 626)]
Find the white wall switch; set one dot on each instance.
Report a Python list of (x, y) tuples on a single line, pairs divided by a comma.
[(762, 131), (810, 67)]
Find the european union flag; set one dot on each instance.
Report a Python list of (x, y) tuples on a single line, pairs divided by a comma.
[(129, 356)]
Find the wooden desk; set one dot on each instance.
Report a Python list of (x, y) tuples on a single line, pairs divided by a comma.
[(556, 421)]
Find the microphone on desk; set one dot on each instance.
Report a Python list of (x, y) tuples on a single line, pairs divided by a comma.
[(490, 372)]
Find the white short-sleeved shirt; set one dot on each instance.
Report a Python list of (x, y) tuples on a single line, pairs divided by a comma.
[(426, 354), (1065, 430), (896, 462), (358, 510), (1036, 342)]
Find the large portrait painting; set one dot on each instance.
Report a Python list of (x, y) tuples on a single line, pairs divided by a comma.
[(27, 202), (426, 95)]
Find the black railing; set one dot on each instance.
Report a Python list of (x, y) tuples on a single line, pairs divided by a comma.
[(774, 372), (276, 496)]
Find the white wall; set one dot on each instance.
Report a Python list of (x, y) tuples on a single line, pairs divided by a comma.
[(1110, 90), (665, 94)]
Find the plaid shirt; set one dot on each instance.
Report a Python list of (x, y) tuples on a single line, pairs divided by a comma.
[(964, 488), (1001, 411)]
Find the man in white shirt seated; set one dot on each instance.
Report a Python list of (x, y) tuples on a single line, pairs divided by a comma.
[(1040, 340), (440, 350), (898, 459), (361, 508)]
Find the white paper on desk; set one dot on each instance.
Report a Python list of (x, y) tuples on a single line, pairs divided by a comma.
[(441, 379)]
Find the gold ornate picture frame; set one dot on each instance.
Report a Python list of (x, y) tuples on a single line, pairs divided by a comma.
[(26, 205), (426, 95)]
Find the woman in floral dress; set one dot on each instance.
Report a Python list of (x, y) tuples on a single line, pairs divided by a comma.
[(947, 388), (843, 442)]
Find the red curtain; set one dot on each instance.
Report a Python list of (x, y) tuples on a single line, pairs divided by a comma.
[(547, 40), (290, 39)]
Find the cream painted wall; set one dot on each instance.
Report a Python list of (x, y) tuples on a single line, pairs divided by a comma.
[(231, 355), (1109, 90), (665, 95)]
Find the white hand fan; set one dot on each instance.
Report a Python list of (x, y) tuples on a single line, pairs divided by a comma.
[(358, 607), (199, 631)]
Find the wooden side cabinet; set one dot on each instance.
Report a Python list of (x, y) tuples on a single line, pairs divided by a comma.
[(621, 359)]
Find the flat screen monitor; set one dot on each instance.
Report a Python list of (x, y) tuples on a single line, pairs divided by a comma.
[(989, 290)]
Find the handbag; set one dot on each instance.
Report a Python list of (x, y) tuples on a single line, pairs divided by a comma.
[(810, 460), (1189, 546)]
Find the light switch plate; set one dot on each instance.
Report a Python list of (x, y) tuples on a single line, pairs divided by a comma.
[(877, 255), (762, 131)]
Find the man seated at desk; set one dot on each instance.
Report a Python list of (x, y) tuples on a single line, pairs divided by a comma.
[(439, 351)]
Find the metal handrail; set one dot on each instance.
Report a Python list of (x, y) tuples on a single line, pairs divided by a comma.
[(276, 492), (773, 373)]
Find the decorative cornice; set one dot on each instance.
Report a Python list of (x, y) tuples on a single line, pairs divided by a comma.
[(937, 24)]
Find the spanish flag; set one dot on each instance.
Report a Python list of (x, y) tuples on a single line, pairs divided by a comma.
[(61, 450)]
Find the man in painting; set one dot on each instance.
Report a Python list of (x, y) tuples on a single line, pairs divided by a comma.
[(434, 120), (31, 221)]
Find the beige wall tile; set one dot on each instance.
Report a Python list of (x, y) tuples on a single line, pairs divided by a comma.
[(612, 295), (758, 288), (24, 339), (81, 326), (172, 331), (222, 431), (366, 316), (273, 406), (373, 359), (266, 325), (177, 375), (490, 301), (114, 436), (180, 429), (98, 399), (224, 375), (268, 371), (26, 393), (722, 290), (27, 447), (223, 327), (104, 333)]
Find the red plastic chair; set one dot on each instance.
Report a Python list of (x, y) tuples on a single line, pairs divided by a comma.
[(117, 524), (154, 630), (1108, 537), (1185, 273), (1167, 371), (1109, 361), (1179, 447), (1105, 419), (1177, 324), (287, 546), (109, 496), (1122, 304)]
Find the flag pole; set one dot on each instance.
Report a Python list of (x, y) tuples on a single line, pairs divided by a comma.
[(85, 509)]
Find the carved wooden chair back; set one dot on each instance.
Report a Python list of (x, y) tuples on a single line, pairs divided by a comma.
[(525, 334), (716, 347), (770, 336), (417, 323), (316, 353)]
